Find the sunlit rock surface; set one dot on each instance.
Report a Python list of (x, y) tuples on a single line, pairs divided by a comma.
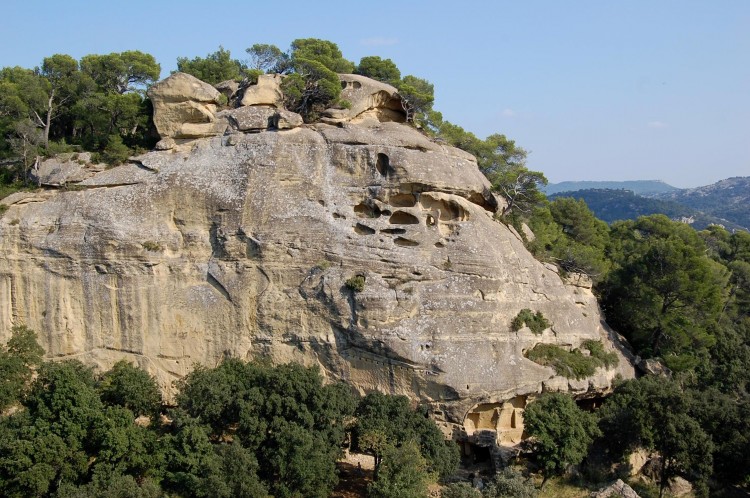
[(241, 245)]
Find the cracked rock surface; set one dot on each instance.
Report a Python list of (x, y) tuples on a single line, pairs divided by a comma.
[(241, 245)]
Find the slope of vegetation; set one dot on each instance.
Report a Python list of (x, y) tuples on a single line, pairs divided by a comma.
[(237, 430), (680, 296)]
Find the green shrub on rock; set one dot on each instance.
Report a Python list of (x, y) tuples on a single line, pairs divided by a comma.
[(535, 321)]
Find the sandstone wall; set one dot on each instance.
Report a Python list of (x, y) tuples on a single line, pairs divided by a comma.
[(241, 245)]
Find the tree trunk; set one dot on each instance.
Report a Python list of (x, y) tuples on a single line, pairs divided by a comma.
[(544, 481), (48, 122)]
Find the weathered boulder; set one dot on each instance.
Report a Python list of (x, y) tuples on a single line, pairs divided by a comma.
[(679, 486), (652, 366), (616, 489), (242, 245), (185, 108), (251, 118), (266, 92), (369, 100), (228, 88), (256, 118), (64, 169), (637, 460), (286, 120)]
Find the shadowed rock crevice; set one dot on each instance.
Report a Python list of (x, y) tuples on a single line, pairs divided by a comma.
[(403, 218), (361, 229)]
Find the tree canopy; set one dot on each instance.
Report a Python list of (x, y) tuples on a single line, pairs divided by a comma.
[(213, 68), (384, 421), (560, 433)]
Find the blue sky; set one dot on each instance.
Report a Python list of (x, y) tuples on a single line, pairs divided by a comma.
[(595, 90)]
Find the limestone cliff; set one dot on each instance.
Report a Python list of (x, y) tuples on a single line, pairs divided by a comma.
[(241, 244)]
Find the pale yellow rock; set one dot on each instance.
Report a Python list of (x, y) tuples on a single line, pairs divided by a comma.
[(637, 459), (266, 92), (243, 247), (185, 107), (369, 100)]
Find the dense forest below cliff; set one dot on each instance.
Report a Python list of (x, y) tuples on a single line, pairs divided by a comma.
[(680, 296)]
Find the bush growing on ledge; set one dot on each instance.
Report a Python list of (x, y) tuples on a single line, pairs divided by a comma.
[(356, 283), (596, 350), (535, 321), (150, 245), (573, 364)]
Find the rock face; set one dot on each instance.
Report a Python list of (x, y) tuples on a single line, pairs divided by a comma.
[(242, 245)]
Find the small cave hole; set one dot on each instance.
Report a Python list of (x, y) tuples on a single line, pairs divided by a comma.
[(403, 200), (430, 220), (361, 229), (336, 216), (439, 244), (383, 164), (403, 218), (394, 231), (344, 85), (356, 84), (400, 241), (322, 202), (364, 210)]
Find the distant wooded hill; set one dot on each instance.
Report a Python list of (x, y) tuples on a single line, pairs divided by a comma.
[(724, 203), (728, 199), (641, 187)]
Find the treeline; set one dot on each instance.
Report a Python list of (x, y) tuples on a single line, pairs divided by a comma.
[(240, 429), (681, 297), (95, 104)]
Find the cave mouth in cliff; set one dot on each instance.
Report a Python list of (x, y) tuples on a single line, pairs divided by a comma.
[(480, 453), (444, 210)]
